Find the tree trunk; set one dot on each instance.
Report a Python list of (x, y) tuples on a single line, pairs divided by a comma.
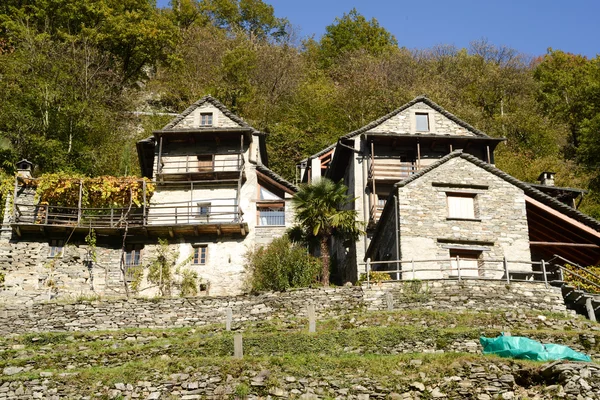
[(324, 262)]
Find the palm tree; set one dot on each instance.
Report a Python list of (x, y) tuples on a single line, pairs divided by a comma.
[(321, 214)]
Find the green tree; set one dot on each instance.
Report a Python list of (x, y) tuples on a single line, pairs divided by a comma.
[(322, 212), (354, 32)]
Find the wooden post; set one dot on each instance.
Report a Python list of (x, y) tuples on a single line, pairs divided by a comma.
[(506, 269), (312, 320), (412, 263), (544, 272), (489, 158), (418, 155), (368, 267), (14, 211), (590, 309), (228, 318), (159, 160), (238, 346), (144, 204), (389, 300), (79, 202), (458, 266)]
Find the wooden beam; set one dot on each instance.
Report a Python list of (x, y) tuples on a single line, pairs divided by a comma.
[(171, 231), (562, 217), (563, 244), (274, 183)]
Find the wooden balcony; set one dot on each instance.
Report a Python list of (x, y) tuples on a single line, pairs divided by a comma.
[(391, 169), (200, 167), (170, 219)]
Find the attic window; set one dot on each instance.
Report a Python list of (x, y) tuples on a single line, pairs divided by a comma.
[(422, 122), (206, 119), (461, 205)]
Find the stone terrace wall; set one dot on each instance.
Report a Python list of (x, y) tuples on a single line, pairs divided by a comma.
[(180, 312)]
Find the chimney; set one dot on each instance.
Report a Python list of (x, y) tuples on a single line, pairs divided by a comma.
[(24, 168), (546, 178)]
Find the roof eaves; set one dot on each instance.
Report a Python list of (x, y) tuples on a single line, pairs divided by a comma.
[(276, 177)]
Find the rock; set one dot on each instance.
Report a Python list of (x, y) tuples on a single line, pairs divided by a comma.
[(416, 363), (484, 396), (277, 392), (153, 396), (363, 396), (120, 386), (437, 394), (418, 385), (508, 395), (12, 370)]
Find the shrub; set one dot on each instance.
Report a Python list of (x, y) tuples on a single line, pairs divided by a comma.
[(281, 265), (375, 277)]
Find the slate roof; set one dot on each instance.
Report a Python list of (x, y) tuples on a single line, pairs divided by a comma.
[(214, 102), (277, 178), (418, 99)]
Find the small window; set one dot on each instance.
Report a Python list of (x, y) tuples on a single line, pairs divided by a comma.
[(461, 206), (133, 253), (206, 119), (200, 255), (422, 122), (133, 259), (56, 248), (468, 261), (203, 211), (271, 214)]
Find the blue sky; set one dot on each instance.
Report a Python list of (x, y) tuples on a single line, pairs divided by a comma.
[(529, 26)]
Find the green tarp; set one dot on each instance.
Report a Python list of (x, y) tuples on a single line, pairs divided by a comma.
[(528, 349)]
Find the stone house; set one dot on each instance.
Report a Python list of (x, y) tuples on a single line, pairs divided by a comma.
[(381, 162), (214, 199), (464, 211)]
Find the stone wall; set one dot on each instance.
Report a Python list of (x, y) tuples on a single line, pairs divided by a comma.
[(498, 230), (288, 306)]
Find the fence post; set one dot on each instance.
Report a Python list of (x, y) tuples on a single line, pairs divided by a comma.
[(312, 321), (458, 266), (389, 299), (238, 347), (544, 272), (368, 269), (506, 270), (228, 318), (590, 309), (412, 262)]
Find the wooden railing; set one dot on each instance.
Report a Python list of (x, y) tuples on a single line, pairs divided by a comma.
[(392, 169), (193, 164), (182, 213), (457, 268)]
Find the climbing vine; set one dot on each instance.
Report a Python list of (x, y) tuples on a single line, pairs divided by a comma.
[(588, 274), (62, 189)]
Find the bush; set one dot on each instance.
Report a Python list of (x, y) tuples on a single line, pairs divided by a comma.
[(280, 266)]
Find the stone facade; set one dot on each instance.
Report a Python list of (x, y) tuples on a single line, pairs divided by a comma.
[(498, 229), (287, 307)]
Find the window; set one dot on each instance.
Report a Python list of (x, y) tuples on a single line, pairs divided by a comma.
[(271, 214), (133, 258), (467, 260), (422, 122), (200, 254), (133, 255), (461, 205), (203, 211), (206, 119), (56, 248)]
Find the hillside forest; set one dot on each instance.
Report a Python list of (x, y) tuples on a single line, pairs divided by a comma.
[(82, 80)]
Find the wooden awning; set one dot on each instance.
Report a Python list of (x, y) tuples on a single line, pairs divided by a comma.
[(552, 232)]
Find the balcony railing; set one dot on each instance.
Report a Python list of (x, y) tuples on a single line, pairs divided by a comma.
[(194, 165), (391, 169), (166, 214)]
